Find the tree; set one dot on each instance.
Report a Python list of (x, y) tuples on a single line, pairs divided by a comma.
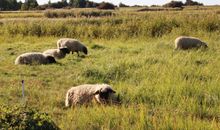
[(49, 2), (90, 4), (174, 4), (29, 4), (192, 3), (78, 3), (3, 4), (106, 5), (32, 4), (9, 5), (24, 6), (123, 5)]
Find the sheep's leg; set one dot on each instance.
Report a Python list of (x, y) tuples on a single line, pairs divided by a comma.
[(77, 53), (72, 52)]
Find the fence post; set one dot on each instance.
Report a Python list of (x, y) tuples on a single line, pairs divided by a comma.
[(23, 95)]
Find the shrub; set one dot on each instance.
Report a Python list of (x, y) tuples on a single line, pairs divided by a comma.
[(64, 14), (105, 5), (123, 5), (174, 4), (25, 118), (192, 3)]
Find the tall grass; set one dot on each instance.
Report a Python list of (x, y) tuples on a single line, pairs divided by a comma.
[(160, 88), (150, 25), (76, 13)]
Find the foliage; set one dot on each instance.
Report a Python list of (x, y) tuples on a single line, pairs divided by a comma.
[(9, 5), (113, 24), (78, 3), (174, 4), (106, 5), (25, 118), (29, 5), (123, 5), (192, 3), (73, 13)]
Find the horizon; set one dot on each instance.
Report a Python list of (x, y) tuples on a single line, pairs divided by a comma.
[(138, 2)]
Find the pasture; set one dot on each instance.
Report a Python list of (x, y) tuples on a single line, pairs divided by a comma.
[(160, 88)]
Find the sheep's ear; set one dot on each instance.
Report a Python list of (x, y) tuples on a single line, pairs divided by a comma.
[(112, 91), (97, 92), (85, 50), (64, 49)]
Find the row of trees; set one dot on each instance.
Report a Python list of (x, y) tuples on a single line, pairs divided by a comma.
[(32, 4), (10, 5), (14, 5), (174, 4)]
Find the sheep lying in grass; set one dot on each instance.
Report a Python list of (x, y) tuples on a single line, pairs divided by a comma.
[(85, 93), (34, 58), (73, 45), (57, 53), (185, 43)]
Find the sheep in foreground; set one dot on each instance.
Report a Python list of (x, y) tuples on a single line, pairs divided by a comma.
[(185, 43), (87, 92), (34, 58), (73, 45), (57, 53)]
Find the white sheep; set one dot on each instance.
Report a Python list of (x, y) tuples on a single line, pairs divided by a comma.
[(184, 43), (73, 45), (34, 58), (85, 93), (57, 53)]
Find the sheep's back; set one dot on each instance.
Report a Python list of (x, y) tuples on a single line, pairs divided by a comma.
[(30, 58), (71, 44), (55, 53), (187, 42), (82, 93)]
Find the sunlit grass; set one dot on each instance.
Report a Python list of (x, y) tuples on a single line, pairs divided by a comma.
[(160, 88)]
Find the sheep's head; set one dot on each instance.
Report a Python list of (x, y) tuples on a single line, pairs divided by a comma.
[(51, 59), (204, 45), (64, 50), (104, 93), (85, 51)]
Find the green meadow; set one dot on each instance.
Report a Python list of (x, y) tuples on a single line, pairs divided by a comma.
[(159, 87)]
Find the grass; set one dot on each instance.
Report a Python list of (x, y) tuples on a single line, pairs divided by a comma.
[(160, 88)]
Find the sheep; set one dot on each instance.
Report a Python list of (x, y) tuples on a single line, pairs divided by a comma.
[(34, 58), (85, 93), (184, 43), (73, 45), (57, 53)]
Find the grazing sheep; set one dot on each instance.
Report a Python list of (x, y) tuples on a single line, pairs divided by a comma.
[(57, 53), (73, 45), (185, 43), (85, 93), (34, 58)]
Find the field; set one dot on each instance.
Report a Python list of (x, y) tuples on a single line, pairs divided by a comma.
[(160, 88)]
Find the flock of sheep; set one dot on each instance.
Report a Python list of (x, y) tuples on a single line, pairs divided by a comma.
[(102, 93), (64, 46)]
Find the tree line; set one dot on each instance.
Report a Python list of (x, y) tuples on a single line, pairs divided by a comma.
[(33, 4), (175, 4)]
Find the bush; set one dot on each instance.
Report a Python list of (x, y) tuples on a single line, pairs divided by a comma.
[(123, 5), (25, 118), (174, 4), (192, 3), (87, 14), (105, 5)]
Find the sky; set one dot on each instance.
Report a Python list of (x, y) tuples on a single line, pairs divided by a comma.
[(139, 2)]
